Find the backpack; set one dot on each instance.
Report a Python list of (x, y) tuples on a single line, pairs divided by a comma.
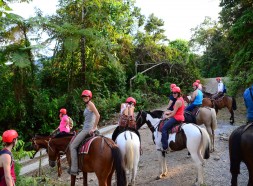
[(224, 89), (71, 123)]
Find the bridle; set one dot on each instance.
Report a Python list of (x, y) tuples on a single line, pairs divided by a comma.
[(150, 126)]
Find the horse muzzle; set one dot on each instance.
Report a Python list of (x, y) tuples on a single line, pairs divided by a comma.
[(52, 163)]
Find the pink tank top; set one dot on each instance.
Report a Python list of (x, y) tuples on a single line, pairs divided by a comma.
[(2, 178), (63, 123), (179, 116)]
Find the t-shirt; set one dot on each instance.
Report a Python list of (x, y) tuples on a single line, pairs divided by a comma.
[(63, 123)]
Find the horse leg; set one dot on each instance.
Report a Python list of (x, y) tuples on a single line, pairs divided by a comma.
[(211, 134), (199, 164), (232, 116), (163, 165), (109, 178), (249, 165), (73, 180), (85, 178), (59, 166), (234, 179)]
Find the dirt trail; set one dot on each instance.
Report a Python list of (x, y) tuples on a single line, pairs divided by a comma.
[(182, 171)]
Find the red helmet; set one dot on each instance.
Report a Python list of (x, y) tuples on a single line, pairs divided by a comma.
[(172, 86), (218, 78), (198, 81), (63, 111), (87, 93), (131, 99), (195, 84), (176, 89), (9, 136)]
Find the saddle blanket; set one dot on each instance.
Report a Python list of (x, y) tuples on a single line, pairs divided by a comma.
[(84, 148)]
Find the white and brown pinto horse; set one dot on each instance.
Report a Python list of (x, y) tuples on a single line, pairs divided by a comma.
[(191, 136)]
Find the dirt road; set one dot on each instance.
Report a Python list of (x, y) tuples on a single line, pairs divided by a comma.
[(182, 171)]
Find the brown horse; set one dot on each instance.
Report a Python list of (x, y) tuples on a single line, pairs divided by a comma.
[(104, 158), (41, 142), (224, 101), (241, 150)]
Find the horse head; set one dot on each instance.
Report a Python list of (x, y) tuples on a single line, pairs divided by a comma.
[(140, 119), (52, 154)]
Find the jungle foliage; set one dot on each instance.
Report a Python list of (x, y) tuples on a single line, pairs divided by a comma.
[(100, 45)]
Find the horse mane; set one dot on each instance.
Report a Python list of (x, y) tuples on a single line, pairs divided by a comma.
[(38, 136), (154, 115)]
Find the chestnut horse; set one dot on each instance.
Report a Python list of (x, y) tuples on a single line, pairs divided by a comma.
[(241, 150), (41, 142), (103, 158), (205, 115), (191, 136)]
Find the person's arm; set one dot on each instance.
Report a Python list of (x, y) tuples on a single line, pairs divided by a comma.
[(94, 109), (194, 95), (170, 103), (7, 169), (176, 107)]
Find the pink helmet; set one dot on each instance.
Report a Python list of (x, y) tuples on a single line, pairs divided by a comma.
[(87, 93), (218, 78), (9, 136), (63, 111), (172, 86), (198, 81), (131, 99), (195, 84), (176, 89)]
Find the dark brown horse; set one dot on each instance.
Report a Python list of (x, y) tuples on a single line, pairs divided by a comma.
[(241, 150), (41, 142), (103, 159)]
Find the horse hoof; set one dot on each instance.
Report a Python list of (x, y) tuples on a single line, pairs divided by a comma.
[(158, 178)]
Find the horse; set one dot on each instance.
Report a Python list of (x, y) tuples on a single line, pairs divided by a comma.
[(129, 145), (205, 115), (191, 136), (103, 158), (224, 101), (241, 150), (41, 142)]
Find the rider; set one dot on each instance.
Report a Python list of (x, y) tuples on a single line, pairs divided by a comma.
[(172, 99), (197, 98), (200, 87), (248, 100), (175, 117), (220, 89), (7, 172), (127, 110), (92, 117), (64, 123)]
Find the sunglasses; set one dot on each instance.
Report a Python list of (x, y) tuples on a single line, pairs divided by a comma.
[(174, 92)]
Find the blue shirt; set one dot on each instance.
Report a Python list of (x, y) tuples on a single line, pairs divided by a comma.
[(173, 102), (248, 103), (198, 99)]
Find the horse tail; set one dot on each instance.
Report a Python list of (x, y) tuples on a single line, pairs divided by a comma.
[(129, 154), (119, 166), (235, 150), (214, 120), (234, 103), (206, 143)]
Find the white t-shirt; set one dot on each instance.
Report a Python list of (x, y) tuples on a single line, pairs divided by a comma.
[(220, 86)]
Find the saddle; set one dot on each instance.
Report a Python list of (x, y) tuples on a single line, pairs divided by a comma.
[(83, 147), (189, 117), (175, 129)]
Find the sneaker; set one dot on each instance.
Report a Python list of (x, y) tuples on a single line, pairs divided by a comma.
[(72, 173)]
